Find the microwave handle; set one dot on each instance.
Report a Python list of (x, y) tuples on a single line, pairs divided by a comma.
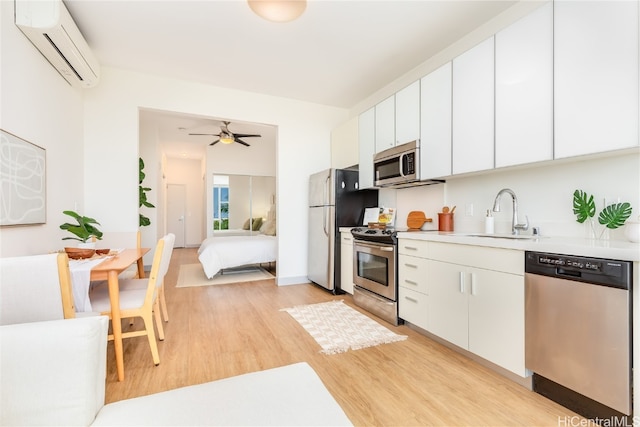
[(401, 163)]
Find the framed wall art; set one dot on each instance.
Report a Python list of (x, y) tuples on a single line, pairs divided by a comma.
[(23, 198)]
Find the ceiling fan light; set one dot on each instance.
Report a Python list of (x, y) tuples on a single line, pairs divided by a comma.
[(278, 10), (226, 140)]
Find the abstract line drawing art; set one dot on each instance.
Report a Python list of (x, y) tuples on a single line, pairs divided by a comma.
[(22, 181)]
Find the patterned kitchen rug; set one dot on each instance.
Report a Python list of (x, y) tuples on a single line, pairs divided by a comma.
[(338, 327)]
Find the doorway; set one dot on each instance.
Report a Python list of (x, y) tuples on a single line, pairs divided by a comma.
[(176, 218)]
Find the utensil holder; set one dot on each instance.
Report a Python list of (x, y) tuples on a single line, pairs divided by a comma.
[(445, 221)]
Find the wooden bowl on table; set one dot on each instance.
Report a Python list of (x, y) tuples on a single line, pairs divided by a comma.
[(103, 251), (79, 253)]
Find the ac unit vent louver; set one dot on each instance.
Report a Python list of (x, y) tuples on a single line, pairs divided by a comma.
[(51, 29)]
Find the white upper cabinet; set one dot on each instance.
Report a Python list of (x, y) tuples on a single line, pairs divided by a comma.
[(385, 124), (473, 109), (398, 118), (596, 76), (366, 146), (524, 90), (408, 114), (435, 123)]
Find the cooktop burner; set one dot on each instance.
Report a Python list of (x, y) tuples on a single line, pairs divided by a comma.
[(386, 235)]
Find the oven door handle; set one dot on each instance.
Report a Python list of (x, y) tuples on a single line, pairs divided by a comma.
[(386, 249)]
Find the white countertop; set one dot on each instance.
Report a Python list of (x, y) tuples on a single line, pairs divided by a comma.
[(611, 249)]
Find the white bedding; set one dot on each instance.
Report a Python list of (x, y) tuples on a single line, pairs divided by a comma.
[(216, 253), (234, 232)]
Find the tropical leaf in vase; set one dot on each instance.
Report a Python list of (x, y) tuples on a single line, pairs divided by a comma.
[(583, 206), (614, 216)]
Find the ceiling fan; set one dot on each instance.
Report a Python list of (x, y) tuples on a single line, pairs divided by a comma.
[(227, 137)]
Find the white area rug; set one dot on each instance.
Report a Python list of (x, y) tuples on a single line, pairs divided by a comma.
[(193, 275), (338, 327)]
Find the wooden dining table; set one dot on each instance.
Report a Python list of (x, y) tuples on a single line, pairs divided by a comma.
[(109, 271)]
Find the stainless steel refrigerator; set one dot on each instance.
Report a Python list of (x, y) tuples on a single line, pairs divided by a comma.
[(335, 201)]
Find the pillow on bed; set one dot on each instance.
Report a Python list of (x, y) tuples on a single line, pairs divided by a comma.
[(269, 227), (256, 224), (246, 224)]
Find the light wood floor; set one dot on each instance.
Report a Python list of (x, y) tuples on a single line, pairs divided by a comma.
[(219, 331)]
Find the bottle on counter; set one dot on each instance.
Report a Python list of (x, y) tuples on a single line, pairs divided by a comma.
[(488, 223)]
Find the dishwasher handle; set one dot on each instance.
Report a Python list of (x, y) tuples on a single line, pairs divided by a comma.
[(569, 273)]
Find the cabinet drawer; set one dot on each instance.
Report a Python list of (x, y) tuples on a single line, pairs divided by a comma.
[(346, 238), (412, 273), (413, 247), (487, 258), (412, 307)]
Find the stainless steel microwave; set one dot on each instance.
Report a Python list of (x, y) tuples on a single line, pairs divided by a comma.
[(398, 165)]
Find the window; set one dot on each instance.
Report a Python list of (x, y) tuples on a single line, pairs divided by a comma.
[(221, 202)]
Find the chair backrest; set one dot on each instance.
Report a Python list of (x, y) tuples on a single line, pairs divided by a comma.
[(35, 288), (169, 241)]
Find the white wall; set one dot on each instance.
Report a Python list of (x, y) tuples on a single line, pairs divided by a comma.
[(544, 192), (111, 149), (38, 105)]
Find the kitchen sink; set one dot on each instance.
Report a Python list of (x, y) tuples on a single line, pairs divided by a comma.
[(500, 236)]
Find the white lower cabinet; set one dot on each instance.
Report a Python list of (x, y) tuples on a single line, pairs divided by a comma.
[(471, 296), (346, 262), (412, 290)]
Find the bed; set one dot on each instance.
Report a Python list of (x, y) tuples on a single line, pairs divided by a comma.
[(217, 253)]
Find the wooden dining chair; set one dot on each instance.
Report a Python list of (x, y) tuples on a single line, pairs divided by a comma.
[(160, 305), (138, 302), (132, 271), (35, 288)]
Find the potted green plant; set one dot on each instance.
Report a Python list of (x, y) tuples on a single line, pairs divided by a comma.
[(84, 229), (611, 217), (142, 195)]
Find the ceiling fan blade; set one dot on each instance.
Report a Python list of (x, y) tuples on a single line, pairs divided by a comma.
[(239, 141), (215, 142), (245, 135), (208, 134)]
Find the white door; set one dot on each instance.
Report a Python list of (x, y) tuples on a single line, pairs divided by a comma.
[(176, 206)]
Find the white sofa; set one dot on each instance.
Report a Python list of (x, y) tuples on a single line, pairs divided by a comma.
[(53, 373)]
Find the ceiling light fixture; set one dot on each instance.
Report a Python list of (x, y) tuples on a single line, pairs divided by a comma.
[(278, 10), (226, 139)]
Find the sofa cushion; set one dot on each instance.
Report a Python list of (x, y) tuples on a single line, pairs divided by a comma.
[(291, 395), (53, 372)]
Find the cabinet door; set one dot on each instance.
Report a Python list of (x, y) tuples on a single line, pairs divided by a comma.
[(346, 262), (366, 147), (435, 123), (448, 315), (496, 318), (385, 135), (595, 76), (473, 109), (407, 114), (524, 89)]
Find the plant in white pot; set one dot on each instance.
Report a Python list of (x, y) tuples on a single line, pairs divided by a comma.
[(84, 231)]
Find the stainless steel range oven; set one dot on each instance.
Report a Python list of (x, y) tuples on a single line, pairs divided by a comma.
[(375, 260)]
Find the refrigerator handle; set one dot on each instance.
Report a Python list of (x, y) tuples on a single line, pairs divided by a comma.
[(325, 220), (325, 196), (325, 200)]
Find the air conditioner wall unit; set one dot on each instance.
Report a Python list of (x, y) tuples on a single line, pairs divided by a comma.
[(51, 29)]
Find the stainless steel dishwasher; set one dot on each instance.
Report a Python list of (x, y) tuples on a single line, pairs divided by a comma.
[(578, 340)]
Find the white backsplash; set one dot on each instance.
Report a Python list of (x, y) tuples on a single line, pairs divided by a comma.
[(544, 192)]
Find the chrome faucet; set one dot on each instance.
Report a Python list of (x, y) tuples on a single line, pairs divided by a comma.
[(515, 227)]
